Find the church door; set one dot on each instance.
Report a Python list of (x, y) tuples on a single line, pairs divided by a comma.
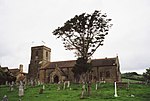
[(56, 79)]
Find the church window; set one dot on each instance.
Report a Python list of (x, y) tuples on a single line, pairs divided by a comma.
[(46, 54), (107, 74)]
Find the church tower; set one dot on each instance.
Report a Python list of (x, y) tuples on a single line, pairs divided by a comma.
[(39, 56)]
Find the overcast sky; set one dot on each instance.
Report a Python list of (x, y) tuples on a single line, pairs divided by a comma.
[(26, 23)]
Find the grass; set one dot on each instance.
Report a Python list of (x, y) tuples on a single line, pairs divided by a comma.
[(105, 92)]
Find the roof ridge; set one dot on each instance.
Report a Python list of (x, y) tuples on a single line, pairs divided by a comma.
[(91, 59)]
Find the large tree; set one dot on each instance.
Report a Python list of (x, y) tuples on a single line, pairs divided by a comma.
[(84, 33)]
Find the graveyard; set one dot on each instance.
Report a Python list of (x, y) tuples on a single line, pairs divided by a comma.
[(50, 92)]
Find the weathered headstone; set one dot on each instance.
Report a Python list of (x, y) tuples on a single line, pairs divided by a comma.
[(11, 87), (64, 85), (5, 98), (31, 82), (6, 82), (21, 83), (58, 88), (39, 83), (35, 82), (21, 90), (83, 91), (96, 86), (68, 84), (13, 83), (128, 84), (43, 87)]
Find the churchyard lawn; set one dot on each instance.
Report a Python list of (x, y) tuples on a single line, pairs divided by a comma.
[(105, 92)]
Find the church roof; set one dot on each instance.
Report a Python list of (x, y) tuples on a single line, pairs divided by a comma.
[(5, 69), (15, 71), (71, 63)]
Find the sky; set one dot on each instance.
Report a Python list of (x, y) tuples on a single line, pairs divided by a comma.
[(28, 23)]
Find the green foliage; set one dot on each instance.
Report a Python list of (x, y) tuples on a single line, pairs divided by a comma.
[(3, 77), (84, 33), (6, 76), (147, 75), (133, 76), (81, 67)]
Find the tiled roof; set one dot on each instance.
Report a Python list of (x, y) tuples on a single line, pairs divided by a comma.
[(104, 62), (71, 63)]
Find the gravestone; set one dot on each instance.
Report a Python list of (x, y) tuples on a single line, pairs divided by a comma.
[(21, 90), (5, 98), (59, 83), (12, 82), (64, 85), (115, 90), (6, 83), (43, 87), (35, 82), (128, 84), (21, 83), (96, 86), (31, 83), (83, 91), (39, 83), (11, 87), (68, 84)]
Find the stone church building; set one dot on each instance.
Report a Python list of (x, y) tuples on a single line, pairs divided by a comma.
[(42, 69)]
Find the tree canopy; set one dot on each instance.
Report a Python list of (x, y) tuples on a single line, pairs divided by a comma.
[(84, 33)]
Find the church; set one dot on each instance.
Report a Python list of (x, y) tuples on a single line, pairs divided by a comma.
[(42, 69)]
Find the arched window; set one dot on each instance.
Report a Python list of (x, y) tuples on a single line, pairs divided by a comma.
[(56, 79), (107, 74)]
